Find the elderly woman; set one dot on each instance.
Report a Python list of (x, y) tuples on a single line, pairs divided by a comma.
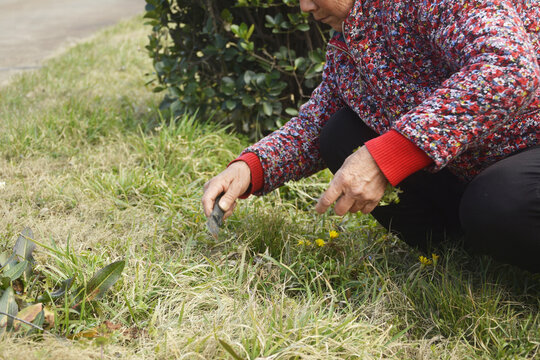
[(439, 97)]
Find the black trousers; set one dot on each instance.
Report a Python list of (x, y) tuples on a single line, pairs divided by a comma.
[(497, 213)]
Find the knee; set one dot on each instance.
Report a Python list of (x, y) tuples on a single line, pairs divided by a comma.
[(499, 205), (484, 206)]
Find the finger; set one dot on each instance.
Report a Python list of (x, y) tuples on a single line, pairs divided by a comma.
[(343, 205), (209, 197), (328, 197), (231, 194), (356, 207), (369, 207), (230, 211)]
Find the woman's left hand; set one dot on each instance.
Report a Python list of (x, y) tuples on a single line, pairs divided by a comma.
[(358, 185)]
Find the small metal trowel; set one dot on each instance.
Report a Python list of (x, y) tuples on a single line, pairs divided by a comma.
[(215, 220)]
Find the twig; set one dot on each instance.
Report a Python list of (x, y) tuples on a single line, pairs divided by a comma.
[(21, 320), (58, 337)]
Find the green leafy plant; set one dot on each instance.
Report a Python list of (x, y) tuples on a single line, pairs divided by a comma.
[(20, 310), (252, 61)]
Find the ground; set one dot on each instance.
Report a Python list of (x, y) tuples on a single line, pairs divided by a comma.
[(33, 30), (100, 174)]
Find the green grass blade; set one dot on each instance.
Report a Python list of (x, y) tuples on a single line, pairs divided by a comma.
[(230, 350)]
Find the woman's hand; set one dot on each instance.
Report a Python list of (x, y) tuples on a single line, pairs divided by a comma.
[(232, 182), (358, 185)]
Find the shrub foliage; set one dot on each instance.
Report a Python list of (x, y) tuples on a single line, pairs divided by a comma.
[(252, 61)]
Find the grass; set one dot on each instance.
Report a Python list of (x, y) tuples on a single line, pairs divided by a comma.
[(99, 174)]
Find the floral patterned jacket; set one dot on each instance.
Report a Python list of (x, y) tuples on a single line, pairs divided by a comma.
[(448, 83)]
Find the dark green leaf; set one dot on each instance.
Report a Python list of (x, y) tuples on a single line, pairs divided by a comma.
[(226, 15), (248, 101), (65, 286), (5, 282), (237, 45), (267, 108), (14, 272), (248, 75), (7, 258), (299, 62), (8, 305), (230, 104), (291, 111), (103, 280), (58, 293), (24, 245)]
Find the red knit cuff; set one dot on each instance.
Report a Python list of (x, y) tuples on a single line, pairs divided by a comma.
[(397, 156), (256, 172)]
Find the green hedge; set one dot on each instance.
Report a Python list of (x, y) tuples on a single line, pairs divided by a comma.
[(251, 61)]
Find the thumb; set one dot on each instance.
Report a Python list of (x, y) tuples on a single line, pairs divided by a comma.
[(229, 197)]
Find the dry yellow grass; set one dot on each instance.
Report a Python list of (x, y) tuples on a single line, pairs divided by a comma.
[(88, 163)]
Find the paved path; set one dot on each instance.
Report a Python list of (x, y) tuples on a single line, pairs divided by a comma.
[(32, 30)]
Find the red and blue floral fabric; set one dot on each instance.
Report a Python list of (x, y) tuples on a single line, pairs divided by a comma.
[(459, 80)]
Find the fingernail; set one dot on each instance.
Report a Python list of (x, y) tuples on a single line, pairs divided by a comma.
[(222, 205)]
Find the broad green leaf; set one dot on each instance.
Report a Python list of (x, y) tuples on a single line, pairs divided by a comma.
[(8, 306), (58, 293), (23, 250), (6, 258), (235, 29), (299, 62), (243, 29), (248, 76), (14, 272), (5, 282), (226, 16), (24, 245), (267, 108), (302, 27), (209, 92), (104, 279), (230, 104), (270, 20), (228, 86), (291, 111), (65, 286), (248, 101), (29, 314)]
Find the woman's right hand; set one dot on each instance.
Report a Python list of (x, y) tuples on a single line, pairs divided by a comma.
[(232, 183)]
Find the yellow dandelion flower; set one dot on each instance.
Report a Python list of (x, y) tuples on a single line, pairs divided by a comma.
[(308, 243), (435, 257), (301, 242), (425, 261), (320, 242), (333, 234)]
